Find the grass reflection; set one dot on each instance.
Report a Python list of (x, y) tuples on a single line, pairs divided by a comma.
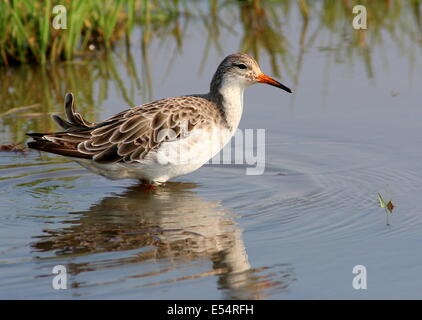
[(43, 89)]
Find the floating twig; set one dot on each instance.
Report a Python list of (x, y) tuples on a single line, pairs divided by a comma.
[(19, 109), (12, 148)]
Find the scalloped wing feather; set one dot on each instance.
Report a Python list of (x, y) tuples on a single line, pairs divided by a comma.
[(133, 135)]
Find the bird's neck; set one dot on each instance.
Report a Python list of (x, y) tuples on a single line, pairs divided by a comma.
[(229, 98)]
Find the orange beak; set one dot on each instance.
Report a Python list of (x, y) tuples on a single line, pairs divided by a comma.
[(262, 78)]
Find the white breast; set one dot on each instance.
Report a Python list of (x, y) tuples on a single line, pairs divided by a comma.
[(200, 146), (232, 93)]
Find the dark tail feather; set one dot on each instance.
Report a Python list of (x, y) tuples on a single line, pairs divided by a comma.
[(64, 143), (74, 120), (35, 135), (62, 123), (52, 147)]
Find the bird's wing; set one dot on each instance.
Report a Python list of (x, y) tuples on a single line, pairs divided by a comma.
[(130, 135)]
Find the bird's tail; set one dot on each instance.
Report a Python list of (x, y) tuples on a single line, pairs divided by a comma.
[(74, 120), (76, 130)]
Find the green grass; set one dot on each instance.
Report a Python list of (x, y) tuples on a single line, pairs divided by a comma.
[(27, 34)]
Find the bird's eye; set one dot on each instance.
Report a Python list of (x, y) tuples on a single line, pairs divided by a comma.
[(241, 66)]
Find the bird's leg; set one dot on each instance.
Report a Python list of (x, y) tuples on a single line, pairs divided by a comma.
[(149, 187)]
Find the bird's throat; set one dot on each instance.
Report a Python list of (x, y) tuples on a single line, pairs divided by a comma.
[(232, 103)]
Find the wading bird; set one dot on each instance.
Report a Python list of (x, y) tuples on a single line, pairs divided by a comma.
[(160, 140)]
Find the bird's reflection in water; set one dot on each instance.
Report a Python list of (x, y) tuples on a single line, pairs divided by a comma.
[(171, 224)]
